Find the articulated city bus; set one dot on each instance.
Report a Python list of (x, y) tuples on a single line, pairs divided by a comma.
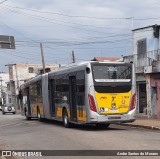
[(92, 92)]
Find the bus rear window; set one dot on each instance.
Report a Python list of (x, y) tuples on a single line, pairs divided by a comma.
[(112, 72), (110, 89)]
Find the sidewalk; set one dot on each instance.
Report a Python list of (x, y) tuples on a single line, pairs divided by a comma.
[(147, 123)]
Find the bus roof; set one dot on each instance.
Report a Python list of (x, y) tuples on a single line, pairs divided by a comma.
[(86, 63), (68, 67)]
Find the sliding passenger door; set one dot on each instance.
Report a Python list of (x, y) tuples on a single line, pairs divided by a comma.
[(51, 96), (72, 98), (28, 101)]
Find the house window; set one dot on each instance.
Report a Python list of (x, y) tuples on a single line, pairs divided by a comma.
[(30, 69), (141, 46)]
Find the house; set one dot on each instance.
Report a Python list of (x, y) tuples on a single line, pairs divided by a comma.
[(19, 73), (107, 59), (146, 57), (4, 78)]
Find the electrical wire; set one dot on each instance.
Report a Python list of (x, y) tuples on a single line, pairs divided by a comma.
[(80, 16)]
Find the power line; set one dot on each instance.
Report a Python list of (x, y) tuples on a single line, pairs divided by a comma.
[(66, 43), (66, 15), (3, 1), (80, 16), (52, 21)]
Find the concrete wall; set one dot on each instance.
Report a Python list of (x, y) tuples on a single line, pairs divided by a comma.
[(143, 61), (152, 44), (155, 94), (5, 78), (146, 33)]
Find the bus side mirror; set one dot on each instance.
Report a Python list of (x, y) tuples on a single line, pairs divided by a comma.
[(87, 70)]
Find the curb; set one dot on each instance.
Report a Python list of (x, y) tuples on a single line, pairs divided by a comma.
[(142, 126)]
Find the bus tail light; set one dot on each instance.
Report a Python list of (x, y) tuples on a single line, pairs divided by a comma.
[(133, 102), (92, 103)]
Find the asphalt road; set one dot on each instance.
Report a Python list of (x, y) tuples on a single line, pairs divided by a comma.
[(16, 133)]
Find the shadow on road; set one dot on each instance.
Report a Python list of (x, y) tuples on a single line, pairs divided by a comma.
[(89, 127)]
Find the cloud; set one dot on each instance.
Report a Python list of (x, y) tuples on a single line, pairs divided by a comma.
[(27, 25)]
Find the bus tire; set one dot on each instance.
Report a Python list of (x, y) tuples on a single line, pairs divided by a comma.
[(65, 119), (26, 115), (38, 114)]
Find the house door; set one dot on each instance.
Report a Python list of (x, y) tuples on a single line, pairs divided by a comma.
[(142, 98)]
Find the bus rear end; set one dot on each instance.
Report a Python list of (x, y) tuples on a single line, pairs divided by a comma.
[(112, 97)]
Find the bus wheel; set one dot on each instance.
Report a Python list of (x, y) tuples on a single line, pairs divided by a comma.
[(26, 114), (65, 119), (39, 115)]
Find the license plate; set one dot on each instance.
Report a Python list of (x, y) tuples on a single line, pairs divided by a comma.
[(114, 117)]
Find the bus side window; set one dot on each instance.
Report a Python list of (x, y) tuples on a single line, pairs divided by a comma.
[(58, 90), (39, 92), (80, 88), (65, 89)]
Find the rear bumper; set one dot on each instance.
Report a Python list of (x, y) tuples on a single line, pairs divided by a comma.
[(116, 118), (9, 111), (5, 110)]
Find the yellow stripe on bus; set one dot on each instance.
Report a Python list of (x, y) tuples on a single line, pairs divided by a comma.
[(81, 115)]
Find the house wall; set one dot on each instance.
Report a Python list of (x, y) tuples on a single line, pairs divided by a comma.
[(5, 78), (155, 84), (145, 61), (152, 44)]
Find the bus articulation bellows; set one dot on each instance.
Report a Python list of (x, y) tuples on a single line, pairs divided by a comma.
[(91, 92)]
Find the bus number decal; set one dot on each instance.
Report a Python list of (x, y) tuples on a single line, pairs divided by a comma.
[(112, 69)]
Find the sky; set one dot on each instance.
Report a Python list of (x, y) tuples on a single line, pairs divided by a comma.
[(90, 28)]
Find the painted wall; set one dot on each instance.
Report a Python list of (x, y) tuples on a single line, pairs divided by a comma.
[(152, 81), (155, 82), (152, 44), (5, 78)]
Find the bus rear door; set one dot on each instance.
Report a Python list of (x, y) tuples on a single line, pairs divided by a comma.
[(72, 98)]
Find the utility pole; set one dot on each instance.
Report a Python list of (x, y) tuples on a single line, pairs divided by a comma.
[(18, 107), (73, 57), (132, 27), (132, 20), (42, 56), (16, 75), (1, 89)]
